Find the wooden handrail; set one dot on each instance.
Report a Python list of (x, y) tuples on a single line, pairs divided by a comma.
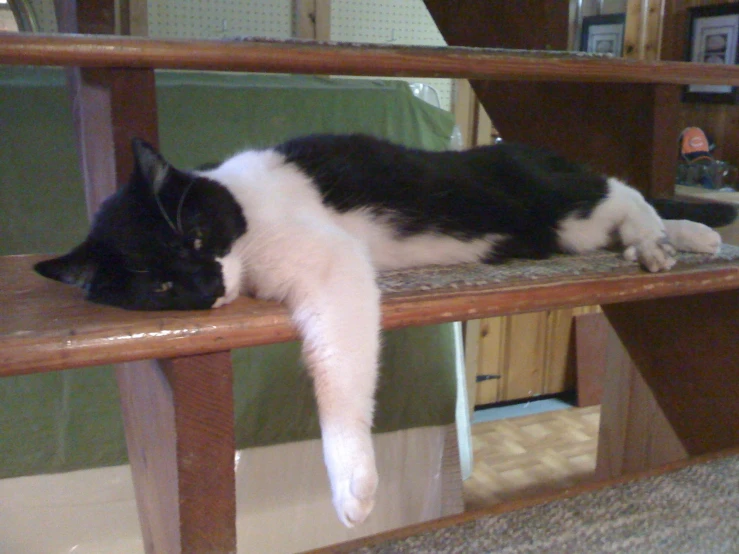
[(273, 56), (46, 326)]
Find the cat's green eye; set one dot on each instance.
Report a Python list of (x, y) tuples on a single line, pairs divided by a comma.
[(197, 242)]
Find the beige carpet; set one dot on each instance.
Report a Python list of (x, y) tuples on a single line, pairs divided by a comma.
[(691, 511)]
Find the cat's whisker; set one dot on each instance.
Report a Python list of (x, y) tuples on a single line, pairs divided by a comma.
[(164, 213), (182, 202)]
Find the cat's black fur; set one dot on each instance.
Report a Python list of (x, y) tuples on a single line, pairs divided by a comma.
[(505, 188), (153, 244)]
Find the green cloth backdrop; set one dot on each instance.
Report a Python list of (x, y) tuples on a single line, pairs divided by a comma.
[(71, 419)]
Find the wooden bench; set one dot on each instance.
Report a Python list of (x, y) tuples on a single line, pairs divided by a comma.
[(175, 380)]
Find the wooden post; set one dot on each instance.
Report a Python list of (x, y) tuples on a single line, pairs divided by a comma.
[(312, 19), (109, 106), (179, 429), (178, 413)]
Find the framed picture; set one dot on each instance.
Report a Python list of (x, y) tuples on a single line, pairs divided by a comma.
[(712, 38), (603, 34)]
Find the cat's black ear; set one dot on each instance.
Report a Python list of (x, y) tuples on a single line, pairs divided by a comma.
[(150, 164), (75, 268)]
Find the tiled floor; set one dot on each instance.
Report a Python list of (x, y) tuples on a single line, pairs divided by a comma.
[(531, 454)]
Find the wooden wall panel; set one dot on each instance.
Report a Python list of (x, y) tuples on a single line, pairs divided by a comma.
[(526, 345), (529, 355), (490, 359), (720, 121)]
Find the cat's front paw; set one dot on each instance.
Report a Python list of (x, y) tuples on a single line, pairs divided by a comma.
[(653, 254), (350, 461), (354, 497)]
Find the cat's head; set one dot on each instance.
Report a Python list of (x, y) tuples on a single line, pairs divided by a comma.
[(156, 243)]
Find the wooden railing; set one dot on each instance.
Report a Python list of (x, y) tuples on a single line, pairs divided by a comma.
[(351, 59)]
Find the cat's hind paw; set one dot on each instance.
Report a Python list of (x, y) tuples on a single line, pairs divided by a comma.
[(690, 236), (354, 498), (654, 255)]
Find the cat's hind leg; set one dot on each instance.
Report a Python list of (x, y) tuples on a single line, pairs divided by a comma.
[(690, 236), (625, 216)]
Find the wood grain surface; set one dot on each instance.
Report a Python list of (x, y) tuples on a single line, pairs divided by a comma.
[(47, 326), (322, 58)]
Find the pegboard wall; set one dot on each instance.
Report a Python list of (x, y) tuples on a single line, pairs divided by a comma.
[(220, 18), (45, 15), (390, 22), (373, 21)]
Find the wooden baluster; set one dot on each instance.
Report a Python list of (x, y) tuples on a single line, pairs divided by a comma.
[(178, 413)]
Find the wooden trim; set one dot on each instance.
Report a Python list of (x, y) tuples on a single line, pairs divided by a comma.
[(81, 333), (507, 507), (643, 32), (312, 19), (349, 59)]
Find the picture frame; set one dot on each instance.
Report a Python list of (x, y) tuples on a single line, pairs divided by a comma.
[(713, 33), (603, 34)]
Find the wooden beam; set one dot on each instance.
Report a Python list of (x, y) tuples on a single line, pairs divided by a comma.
[(180, 436), (590, 346), (635, 435), (104, 103), (617, 129), (109, 106), (177, 413)]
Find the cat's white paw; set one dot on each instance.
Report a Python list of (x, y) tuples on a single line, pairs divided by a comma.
[(690, 236), (354, 497), (654, 255), (350, 461)]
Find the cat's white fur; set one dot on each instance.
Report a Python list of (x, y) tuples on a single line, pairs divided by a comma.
[(322, 263)]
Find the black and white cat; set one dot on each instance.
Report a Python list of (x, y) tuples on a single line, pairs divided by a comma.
[(311, 221)]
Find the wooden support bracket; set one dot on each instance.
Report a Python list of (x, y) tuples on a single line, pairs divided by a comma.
[(687, 352)]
